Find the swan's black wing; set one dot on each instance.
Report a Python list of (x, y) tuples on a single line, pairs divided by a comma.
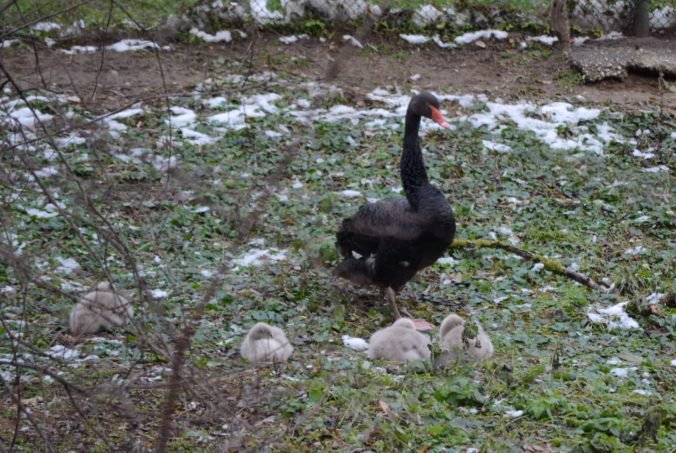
[(388, 218)]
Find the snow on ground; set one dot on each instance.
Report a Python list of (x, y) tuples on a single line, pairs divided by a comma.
[(221, 36), (257, 257), (358, 344), (348, 193), (513, 413), (352, 40), (292, 39), (481, 34), (46, 26), (79, 49), (159, 293), (196, 138), (614, 316), (182, 116), (126, 45), (497, 147), (130, 45), (544, 39), (255, 106), (657, 169), (67, 265), (414, 39)]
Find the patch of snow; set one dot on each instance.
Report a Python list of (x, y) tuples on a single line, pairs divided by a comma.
[(50, 211), (443, 45), (68, 265), (79, 49), (537, 267), (7, 290), (635, 250), (293, 38), (358, 344), (447, 260), (497, 147), (59, 351), (255, 106), (642, 392), (544, 121), (642, 219), (46, 26), (221, 36), (544, 39), (127, 113), (613, 361), (500, 299), (159, 293), (352, 40), (579, 40), (46, 172), (296, 184), (643, 155), (654, 298), (131, 45), (611, 36), (196, 138), (161, 163), (622, 372), (8, 43), (28, 118), (481, 34), (256, 257), (414, 39), (513, 413), (614, 317), (348, 193), (657, 169), (181, 117)]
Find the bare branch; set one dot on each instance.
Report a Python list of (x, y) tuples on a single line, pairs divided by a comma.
[(550, 264)]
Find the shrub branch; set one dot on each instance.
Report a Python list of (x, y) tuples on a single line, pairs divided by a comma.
[(550, 264)]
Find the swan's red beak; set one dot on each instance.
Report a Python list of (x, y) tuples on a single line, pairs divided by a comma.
[(438, 118)]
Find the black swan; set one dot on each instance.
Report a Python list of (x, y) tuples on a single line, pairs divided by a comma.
[(385, 243)]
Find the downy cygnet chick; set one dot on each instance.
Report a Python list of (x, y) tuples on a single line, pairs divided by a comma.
[(101, 308), (451, 335), (264, 343), (400, 342)]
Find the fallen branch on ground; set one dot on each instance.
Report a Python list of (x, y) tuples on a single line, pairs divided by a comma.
[(550, 264)]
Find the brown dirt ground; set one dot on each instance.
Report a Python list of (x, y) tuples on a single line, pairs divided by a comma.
[(499, 70)]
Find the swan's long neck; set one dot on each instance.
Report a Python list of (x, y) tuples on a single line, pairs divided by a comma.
[(412, 165)]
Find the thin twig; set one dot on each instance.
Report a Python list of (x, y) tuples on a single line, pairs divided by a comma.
[(550, 264)]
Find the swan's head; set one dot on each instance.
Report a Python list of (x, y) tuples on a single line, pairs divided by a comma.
[(427, 105)]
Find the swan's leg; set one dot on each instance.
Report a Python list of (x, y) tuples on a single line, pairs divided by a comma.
[(389, 292), (405, 312)]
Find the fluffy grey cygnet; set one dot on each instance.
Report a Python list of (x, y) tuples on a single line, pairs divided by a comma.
[(265, 343), (400, 342), (451, 336), (98, 309)]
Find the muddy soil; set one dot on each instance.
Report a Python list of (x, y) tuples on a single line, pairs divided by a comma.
[(111, 80)]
